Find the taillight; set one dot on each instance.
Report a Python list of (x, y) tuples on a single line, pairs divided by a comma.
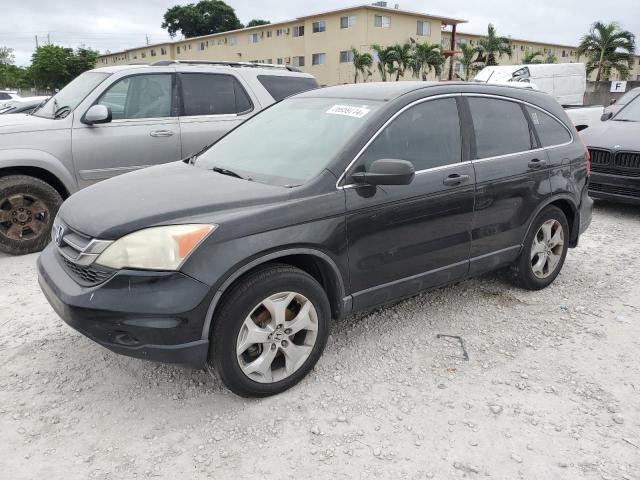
[(588, 163)]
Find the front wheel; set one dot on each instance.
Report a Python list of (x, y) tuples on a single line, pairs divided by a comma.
[(544, 250), (270, 331)]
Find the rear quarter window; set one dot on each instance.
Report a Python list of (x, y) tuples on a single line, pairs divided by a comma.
[(550, 131), (281, 87)]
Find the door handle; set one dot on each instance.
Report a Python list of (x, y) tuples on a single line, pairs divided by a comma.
[(455, 179), (536, 164), (161, 133)]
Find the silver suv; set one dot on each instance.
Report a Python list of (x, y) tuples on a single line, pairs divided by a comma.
[(114, 120)]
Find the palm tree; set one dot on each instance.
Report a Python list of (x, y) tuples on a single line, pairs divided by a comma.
[(492, 47), (362, 62), (385, 60), (401, 58), (424, 58), (607, 48), (531, 57), (469, 60)]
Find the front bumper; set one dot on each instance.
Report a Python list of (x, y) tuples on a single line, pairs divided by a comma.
[(619, 188), (151, 315)]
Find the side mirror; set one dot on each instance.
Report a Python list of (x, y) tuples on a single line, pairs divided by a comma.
[(386, 172), (606, 116), (97, 114)]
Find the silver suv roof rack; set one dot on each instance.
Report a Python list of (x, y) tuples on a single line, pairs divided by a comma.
[(163, 63)]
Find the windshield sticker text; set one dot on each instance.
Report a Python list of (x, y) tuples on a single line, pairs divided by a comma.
[(349, 111)]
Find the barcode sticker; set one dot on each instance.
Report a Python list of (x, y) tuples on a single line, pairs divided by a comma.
[(349, 111), (534, 117)]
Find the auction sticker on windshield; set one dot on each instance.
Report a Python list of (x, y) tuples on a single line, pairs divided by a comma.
[(349, 111)]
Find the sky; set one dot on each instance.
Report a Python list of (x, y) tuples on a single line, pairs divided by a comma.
[(118, 24)]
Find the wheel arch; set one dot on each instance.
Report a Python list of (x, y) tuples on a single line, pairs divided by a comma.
[(314, 262), (568, 206), (38, 164)]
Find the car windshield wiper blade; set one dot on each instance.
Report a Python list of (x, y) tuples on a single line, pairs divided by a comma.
[(624, 120), (225, 171)]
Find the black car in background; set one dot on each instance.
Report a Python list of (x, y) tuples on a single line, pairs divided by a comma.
[(614, 146), (329, 202)]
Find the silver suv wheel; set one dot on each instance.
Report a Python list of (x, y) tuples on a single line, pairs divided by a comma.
[(277, 337), (547, 248)]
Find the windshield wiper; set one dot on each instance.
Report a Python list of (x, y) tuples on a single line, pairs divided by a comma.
[(225, 171), (624, 120)]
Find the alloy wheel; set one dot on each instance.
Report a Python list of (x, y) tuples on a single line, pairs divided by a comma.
[(23, 217), (547, 248), (277, 337)]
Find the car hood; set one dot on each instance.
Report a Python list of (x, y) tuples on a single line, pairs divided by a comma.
[(21, 122), (613, 135), (163, 195)]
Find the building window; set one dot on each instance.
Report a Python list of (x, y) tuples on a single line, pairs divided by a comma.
[(143, 55), (318, 58), (348, 21), (163, 51), (253, 38), (153, 52), (189, 46), (424, 28), (270, 61), (279, 61), (298, 61), (279, 32), (135, 57), (346, 56), (201, 46), (178, 49), (269, 33), (233, 41), (320, 26), (382, 21), (298, 31)]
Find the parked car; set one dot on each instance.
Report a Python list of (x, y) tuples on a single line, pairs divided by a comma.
[(7, 96), (616, 105), (614, 146), (22, 105), (333, 201), (114, 120), (566, 82), (584, 117)]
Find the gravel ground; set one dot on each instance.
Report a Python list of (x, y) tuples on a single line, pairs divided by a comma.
[(551, 389)]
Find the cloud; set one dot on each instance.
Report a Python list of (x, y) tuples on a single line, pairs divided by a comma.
[(120, 24)]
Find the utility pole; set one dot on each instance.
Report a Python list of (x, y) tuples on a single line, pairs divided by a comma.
[(36, 41), (147, 39), (48, 38)]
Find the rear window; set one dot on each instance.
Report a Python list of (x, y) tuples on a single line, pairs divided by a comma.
[(550, 131), (281, 87)]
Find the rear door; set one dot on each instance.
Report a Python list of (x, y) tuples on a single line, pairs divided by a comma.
[(512, 179), (212, 104), (405, 238), (144, 130)]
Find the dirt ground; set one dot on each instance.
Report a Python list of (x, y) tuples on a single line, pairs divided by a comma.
[(551, 389)]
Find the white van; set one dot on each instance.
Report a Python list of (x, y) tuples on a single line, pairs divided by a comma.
[(566, 82)]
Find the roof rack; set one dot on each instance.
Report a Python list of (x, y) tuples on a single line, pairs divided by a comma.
[(163, 63)]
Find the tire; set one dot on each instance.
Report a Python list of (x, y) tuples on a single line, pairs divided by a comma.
[(28, 206), (542, 255), (287, 355)]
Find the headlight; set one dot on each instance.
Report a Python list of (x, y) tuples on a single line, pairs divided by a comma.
[(155, 248)]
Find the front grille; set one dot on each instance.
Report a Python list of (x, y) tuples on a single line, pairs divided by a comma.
[(615, 171), (600, 157), (89, 275), (614, 189), (627, 160)]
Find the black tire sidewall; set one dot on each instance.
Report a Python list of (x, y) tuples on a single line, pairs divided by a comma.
[(527, 278), (250, 291), (23, 184)]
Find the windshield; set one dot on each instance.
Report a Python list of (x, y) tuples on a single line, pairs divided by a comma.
[(627, 97), (67, 99), (630, 113), (290, 142)]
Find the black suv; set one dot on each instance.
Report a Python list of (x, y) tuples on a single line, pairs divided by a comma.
[(329, 202)]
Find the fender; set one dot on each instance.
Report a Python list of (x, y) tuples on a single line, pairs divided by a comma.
[(239, 271), (26, 157), (576, 220)]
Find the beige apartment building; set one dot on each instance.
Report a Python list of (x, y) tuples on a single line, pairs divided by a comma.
[(321, 43)]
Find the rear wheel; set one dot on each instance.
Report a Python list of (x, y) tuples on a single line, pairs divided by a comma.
[(270, 331), (27, 209), (544, 250)]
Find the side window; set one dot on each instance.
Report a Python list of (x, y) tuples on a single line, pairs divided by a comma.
[(280, 87), (500, 127), (213, 94), (5, 96), (550, 131), (427, 135), (139, 96)]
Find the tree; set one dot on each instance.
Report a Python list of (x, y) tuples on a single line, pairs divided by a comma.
[(6, 56), (400, 59), (82, 60), (424, 58), (492, 47), (385, 60), (469, 60), (607, 47), (551, 58), (12, 76), (362, 62), (202, 18), (53, 66), (531, 57), (256, 22)]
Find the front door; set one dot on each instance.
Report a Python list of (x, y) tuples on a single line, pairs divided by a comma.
[(144, 130), (403, 239)]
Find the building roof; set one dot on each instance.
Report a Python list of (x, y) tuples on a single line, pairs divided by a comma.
[(444, 20)]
